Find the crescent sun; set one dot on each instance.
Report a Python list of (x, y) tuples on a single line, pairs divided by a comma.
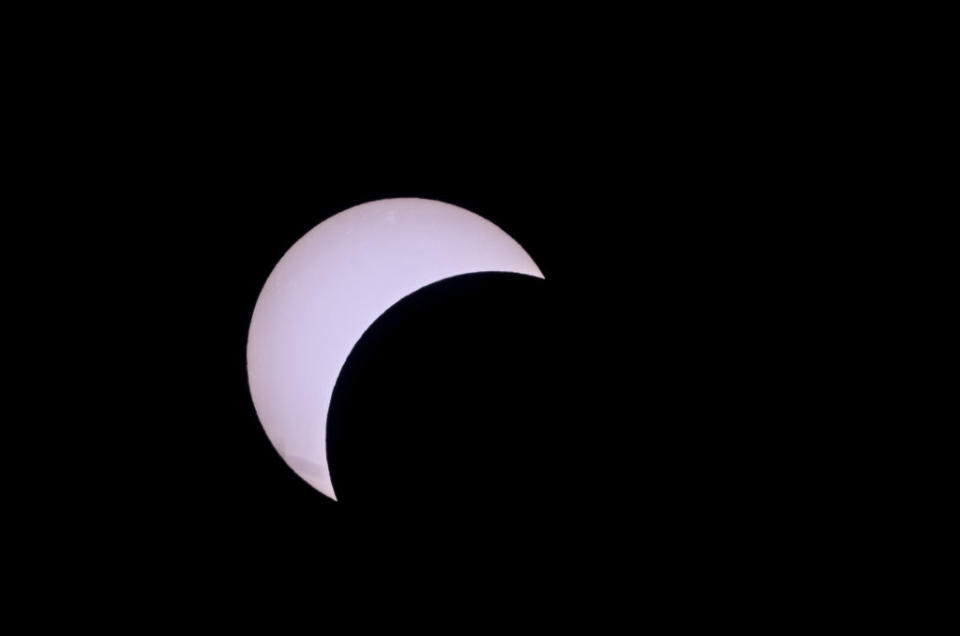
[(331, 286)]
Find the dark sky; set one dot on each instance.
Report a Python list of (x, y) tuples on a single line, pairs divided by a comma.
[(618, 412)]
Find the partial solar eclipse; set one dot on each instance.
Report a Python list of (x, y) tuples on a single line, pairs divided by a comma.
[(331, 286)]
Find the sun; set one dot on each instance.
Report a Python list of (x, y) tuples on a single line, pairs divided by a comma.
[(334, 283)]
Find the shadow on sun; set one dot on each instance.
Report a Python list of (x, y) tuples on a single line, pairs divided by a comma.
[(456, 401)]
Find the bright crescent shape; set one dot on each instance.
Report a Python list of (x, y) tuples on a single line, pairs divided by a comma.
[(331, 286)]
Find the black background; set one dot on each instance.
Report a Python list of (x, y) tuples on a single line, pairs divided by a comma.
[(614, 417), (675, 426)]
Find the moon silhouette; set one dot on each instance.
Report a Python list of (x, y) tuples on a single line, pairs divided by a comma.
[(327, 290)]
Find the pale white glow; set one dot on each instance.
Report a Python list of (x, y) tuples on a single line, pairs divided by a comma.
[(331, 286)]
